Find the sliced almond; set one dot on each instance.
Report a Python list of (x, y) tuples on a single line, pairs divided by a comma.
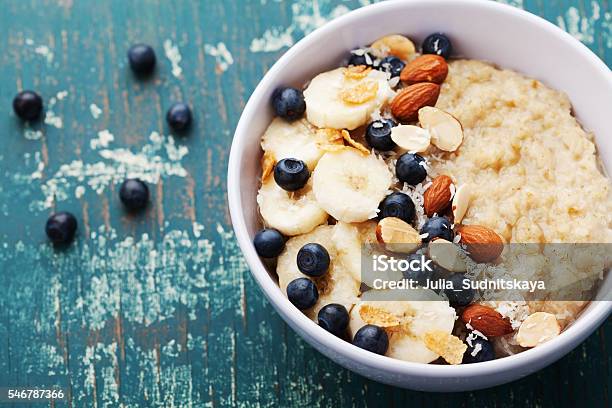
[(411, 138), (537, 328), (447, 255), (449, 347), (446, 131), (461, 202), (393, 44), (397, 235)]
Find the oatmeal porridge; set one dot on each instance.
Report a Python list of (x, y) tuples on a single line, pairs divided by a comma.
[(440, 165)]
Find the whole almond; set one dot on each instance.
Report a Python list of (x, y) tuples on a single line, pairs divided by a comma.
[(426, 68), (406, 104), (438, 196), (486, 320), (483, 244)]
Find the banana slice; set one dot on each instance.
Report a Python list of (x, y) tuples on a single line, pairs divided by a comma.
[(357, 242), (423, 313), (291, 213), (349, 185), (345, 98), (337, 286), (298, 140)]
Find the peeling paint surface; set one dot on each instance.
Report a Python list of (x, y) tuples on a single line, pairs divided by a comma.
[(159, 309)]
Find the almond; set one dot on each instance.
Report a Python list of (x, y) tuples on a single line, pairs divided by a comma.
[(397, 235), (446, 131), (426, 68), (438, 196), (486, 320), (483, 244), (447, 255), (537, 328), (393, 44), (461, 201), (406, 104), (410, 138)]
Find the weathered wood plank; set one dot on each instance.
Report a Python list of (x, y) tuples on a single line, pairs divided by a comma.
[(159, 309)]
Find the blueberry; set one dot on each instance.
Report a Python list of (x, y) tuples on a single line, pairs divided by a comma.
[(334, 318), (313, 259), (179, 116), (269, 243), (459, 296), (378, 135), (482, 350), (289, 103), (397, 205), (358, 57), (392, 65), (61, 227), (141, 58), (134, 194), (410, 168), (303, 293), (425, 272), (437, 227), (438, 44), (27, 105), (372, 338), (291, 174)]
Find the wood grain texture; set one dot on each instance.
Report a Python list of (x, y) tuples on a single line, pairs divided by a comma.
[(159, 309)]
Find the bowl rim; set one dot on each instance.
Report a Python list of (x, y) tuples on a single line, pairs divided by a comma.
[(584, 325)]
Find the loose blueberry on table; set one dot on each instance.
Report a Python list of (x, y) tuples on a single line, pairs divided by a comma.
[(378, 135), (142, 59), (303, 293), (28, 105), (334, 318), (288, 103), (61, 227), (134, 194), (410, 168), (372, 338), (179, 116), (291, 174), (479, 350), (437, 227), (313, 260), (438, 44), (269, 243), (398, 205)]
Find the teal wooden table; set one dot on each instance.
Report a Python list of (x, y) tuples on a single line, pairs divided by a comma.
[(159, 309)]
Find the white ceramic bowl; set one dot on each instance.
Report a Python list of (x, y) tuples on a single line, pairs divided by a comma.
[(506, 36)]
